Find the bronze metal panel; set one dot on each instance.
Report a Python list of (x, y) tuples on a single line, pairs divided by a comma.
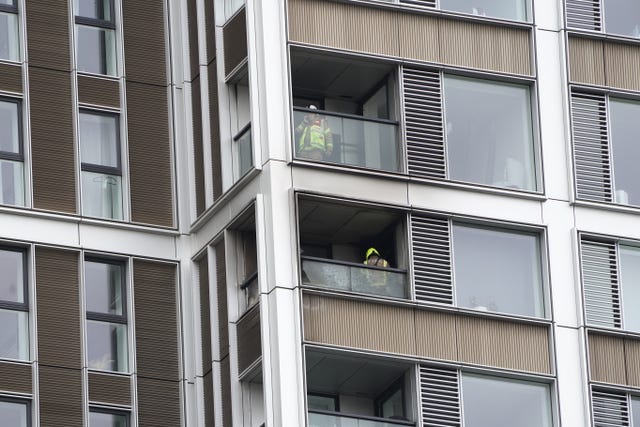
[(149, 154), (198, 161), (436, 335), (97, 91), (419, 37), (586, 61), (192, 18), (52, 151), (157, 350), (221, 288), (158, 403), (57, 287), (209, 416), (359, 324), (235, 41), (214, 120), (249, 339), (109, 389), (205, 314), (60, 397), (606, 359), (144, 41), (484, 46), (210, 30), (11, 77), (15, 377), (632, 361), (225, 385), (344, 26), (48, 34), (503, 344), (622, 62)]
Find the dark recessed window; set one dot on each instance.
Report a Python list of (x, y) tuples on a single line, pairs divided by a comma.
[(15, 412), (14, 304), (11, 153), (96, 36), (107, 418)]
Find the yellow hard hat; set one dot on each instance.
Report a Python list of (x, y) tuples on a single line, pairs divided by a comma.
[(371, 251)]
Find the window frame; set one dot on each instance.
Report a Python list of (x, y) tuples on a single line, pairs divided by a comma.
[(26, 402), (17, 306), (8, 155), (97, 168), (103, 24), (10, 8), (107, 24), (110, 411)]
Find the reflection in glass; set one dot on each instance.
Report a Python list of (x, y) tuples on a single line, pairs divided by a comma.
[(9, 37), (9, 127), (625, 127), (95, 9), (99, 139), (101, 195), (630, 286), (635, 410), (497, 402), (11, 183), (103, 419), (489, 133), (14, 335), (104, 287), (497, 270), (622, 17), (107, 346), (13, 414), (96, 50), (517, 10), (12, 276)]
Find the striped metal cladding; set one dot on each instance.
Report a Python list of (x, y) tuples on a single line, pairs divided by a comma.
[(210, 30), (434, 332), (622, 62), (205, 314), (109, 389), (225, 392), (198, 150), (600, 282), (48, 30), (586, 61), (584, 14), (158, 403), (423, 3), (11, 77), (15, 377), (632, 361), (234, 36), (221, 289), (209, 416), (591, 149), (607, 359), (60, 396), (97, 91), (439, 397), (192, 20), (610, 409), (214, 121), (432, 259), (424, 131)]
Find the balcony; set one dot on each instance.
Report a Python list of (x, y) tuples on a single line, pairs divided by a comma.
[(329, 419), (347, 276)]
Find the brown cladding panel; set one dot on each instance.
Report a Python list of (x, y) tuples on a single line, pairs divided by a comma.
[(144, 41), (622, 62), (158, 403), (209, 418), (221, 289), (157, 350), (249, 339), (435, 335), (192, 13), (11, 78), (97, 91), (48, 34), (503, 344), (424, 28), (109, 389), (15, 377), (235, 41), (586, 61), (225, 385), (52, 150), (216, 161), (359, 324), (632, 361), (57, 287), (210, 30), (60, 397), (205, 314), (196, 116), (606, 359), (149, 154)]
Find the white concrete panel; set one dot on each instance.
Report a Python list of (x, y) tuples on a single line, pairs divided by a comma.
[(554, 117), (39, 229), (621, 223), (572, 382), (127, 241), (548, 14)]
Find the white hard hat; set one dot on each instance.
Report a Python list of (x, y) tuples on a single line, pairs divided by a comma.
[(312, 107)]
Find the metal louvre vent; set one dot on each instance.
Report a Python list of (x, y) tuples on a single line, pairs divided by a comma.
[(584, 14), (600, 279), (432, 259), (610, 409), (423, 131), (424, 3), (439, 397), (591, 147)]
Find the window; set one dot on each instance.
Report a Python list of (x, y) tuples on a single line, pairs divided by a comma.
[(518, 10), (14, 304), (99, 417), (617, 17), (242, 144), (614, 408), (101, 165), (11, 153), (96, 36), (15, 412), (107, 337), (9, 30), (624, 128)]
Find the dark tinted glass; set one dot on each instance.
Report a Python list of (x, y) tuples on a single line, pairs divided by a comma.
[(96, 9)]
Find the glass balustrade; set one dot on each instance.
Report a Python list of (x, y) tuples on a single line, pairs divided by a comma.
[(317, 419)]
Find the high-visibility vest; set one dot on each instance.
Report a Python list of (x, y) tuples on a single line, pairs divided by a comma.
[(314, 137)]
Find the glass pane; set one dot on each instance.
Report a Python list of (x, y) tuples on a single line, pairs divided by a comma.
[(99, 139), (104, 287), (12, 277), (506, 9), (625, 127), (11, 183), (489, 133), (9, 127), (96, 9), (101, 419), (497, 271), (96, 50), (244, 153), (232, 6), (322, 403), (9, 37), (622, 17), (107, 346), (630, 284), (635, 411), (13, 414), (9, 2), (329, 420), (14, 334), (393, 406), (498, 402), (101, 195)]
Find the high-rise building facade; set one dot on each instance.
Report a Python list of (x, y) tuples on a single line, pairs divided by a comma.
[(322, 213)]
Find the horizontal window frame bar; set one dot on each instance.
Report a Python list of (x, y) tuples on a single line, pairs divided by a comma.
[(16, 157), (7, 8), (94, 22), (242, 132), (12, 305), (120, 319), (362, 417), (347, 116), (352, 264), (15, 306), (107, 170), (244, 285)]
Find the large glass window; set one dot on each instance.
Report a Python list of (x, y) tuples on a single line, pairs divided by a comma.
[(105, 292), (14, 304), (11, 153), (101, 166), (14, 413), (629, 259), (625, 127), (104, 418), (635, 411), (517, 10), (489, 133), (622, 17), (498, 270), (96, 36), (9, 31)]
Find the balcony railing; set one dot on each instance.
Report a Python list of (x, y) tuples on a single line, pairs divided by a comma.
[(251, 290), (244, 157), (332, 419), (333, 274), (357, 141)]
